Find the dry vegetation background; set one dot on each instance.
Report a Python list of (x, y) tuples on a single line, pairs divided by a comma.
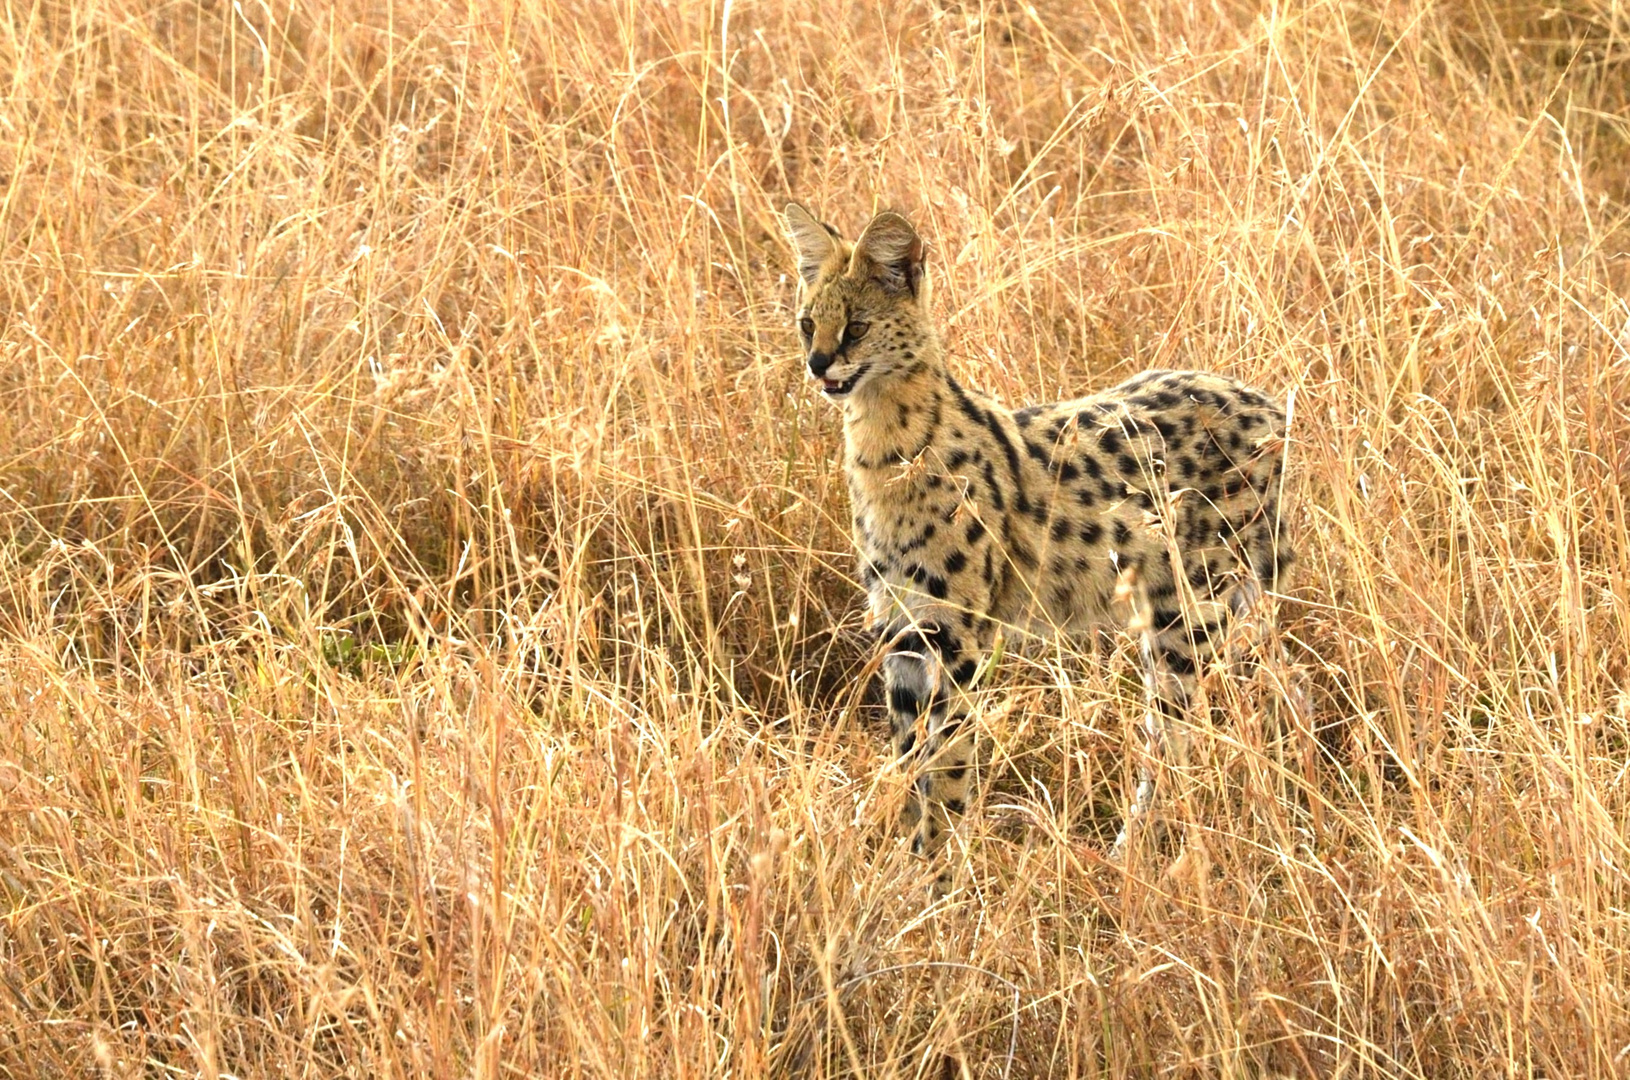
[(428, 646)]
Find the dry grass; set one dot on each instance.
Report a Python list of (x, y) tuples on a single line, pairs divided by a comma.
[(428, 643)]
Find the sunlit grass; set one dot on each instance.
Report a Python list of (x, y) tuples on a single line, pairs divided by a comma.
[(428, 642)]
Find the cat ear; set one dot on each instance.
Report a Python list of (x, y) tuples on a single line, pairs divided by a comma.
[(890, 251), (814, 241)]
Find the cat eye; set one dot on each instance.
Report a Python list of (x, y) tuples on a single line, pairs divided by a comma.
[(856, 330), (807, 325)]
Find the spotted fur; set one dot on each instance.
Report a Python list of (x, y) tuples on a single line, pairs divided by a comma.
[(1152, 505)]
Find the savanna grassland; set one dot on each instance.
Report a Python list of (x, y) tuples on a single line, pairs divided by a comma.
[(428, 642)]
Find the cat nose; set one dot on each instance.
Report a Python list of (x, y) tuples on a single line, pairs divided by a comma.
[(819, 362)]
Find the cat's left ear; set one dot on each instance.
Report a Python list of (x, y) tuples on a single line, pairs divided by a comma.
[(890, 252)]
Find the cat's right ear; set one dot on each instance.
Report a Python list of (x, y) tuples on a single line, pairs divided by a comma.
[(814, 241)]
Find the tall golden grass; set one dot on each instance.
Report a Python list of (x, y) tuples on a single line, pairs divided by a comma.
[(429, 645)]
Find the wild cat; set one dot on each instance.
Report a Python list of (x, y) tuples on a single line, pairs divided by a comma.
[(968, 516)]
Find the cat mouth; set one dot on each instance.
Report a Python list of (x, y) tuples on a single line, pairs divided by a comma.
[(834, 388)]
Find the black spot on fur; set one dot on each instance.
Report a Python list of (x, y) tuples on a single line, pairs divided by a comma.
[(955, 563), (969, 407), (1123, 534), (1091, 532), (930, 639), (1174, 661), (909, 641), (903, 701), (995, 492), (1205, 633), (1162, 588), (1011, 452), (976, 530)]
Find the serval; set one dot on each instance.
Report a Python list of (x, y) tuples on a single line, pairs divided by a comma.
[(1152, 506)]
